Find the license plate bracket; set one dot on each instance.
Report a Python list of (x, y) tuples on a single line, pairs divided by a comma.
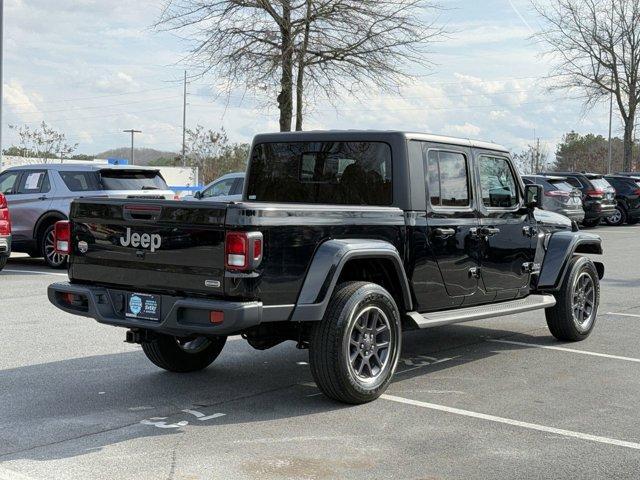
[(143, 306)]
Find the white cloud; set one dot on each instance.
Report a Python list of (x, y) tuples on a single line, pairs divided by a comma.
[(20, 102), (467, 130)]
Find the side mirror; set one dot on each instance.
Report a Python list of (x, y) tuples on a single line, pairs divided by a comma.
[(533, 196), (197, 195)]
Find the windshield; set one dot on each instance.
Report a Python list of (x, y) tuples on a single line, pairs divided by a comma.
[(132, 180)]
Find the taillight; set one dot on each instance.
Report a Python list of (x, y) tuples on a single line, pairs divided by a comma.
[(636, 191), (595, 193), (5, 218), (242, 250), (62, 237)]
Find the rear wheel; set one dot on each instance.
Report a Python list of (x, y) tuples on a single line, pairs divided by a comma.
[(183, 354), (48, 251), (3, 261), (574, 315), (617, 218), (354, 350)]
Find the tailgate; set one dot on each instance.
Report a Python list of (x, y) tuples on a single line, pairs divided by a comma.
[(165, 246)]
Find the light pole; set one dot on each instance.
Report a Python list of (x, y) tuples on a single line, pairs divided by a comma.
[(132, 132)]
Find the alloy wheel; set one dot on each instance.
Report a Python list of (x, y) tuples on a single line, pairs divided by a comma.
[(370, 347), (616, 217), (54, 259), (583, 301)]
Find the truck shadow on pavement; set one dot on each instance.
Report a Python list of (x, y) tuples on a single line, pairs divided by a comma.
[(77, 406)]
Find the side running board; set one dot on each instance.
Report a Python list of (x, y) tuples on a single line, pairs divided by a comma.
[(436, 319)]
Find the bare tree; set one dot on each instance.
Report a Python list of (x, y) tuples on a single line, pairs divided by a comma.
[(532, 160), (213, 154), (596, 48), (42, 142), (315, 47)]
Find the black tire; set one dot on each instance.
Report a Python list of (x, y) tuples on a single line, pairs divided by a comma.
[(336, 351), (563, 319), (53, 260), (3, 261), (172, 354), (617, 219), (591, 223)]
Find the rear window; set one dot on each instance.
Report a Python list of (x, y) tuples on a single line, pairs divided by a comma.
[(81, 181), (344, 173), (600, 183), (132, 180), (562, 185)]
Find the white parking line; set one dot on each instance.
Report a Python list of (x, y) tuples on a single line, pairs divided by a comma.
[(35, 272), (516, 423), (571, 350), (623, 314)]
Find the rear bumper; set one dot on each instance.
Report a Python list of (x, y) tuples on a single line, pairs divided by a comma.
[(577, 215), (179, 316)]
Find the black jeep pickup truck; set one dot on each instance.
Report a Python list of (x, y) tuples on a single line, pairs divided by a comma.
[(342, 240)]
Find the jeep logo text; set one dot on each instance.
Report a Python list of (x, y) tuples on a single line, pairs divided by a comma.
[(135, 240)]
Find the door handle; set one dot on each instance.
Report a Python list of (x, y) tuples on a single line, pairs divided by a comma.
[(489, 231), (43, 197), (444, 232)]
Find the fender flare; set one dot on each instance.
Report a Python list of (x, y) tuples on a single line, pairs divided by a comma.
[(326, 266), (51, 214), (560, 247)]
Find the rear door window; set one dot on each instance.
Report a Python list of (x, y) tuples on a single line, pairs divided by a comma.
[(342, 173), (8, 182), (33, 181), (447, 179), (237, 186), (81, 181), (497, 183), (114, 179)]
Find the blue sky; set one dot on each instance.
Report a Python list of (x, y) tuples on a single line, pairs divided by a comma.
[(92, 68)]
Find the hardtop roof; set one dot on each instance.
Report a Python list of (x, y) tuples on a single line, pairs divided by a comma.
[(334, 135)]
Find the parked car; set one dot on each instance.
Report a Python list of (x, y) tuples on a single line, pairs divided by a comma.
[(40, 195), (598, 196), (227, 188), (628, 200), (338, 244), (559, 196), (5, 232)]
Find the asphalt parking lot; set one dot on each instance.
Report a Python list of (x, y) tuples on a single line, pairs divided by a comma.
[(491, 399)]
